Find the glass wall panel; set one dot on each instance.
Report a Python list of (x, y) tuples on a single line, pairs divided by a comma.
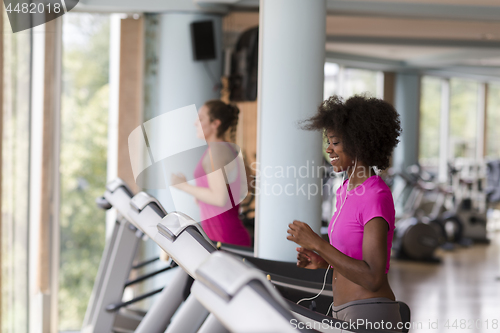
[(15, 179), (430, 105), (493, 122), (84, 122), (463, 118)]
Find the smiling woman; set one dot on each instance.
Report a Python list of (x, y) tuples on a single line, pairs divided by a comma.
[(362, 133), (219, 216)]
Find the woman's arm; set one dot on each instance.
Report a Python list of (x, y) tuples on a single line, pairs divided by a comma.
[(369, 272), (215, 194)]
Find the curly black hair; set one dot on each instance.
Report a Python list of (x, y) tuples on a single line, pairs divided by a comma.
[(369, 127)]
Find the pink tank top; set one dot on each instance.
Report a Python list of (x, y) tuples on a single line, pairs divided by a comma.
[(371, 199), (221, 224)]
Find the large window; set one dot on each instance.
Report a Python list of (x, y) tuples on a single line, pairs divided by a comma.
[(463, 118), (83, 160), (463, 136), (430, 106), (15, 180)]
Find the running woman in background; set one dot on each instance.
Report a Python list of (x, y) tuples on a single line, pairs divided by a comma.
[(219, 217)]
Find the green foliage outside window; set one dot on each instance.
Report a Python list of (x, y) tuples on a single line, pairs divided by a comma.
[(15, 143), (83, 160), (430, 105), (493, 122), (463, 118)]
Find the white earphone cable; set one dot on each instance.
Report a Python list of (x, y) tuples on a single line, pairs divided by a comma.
[(323, 288), (326, 273)]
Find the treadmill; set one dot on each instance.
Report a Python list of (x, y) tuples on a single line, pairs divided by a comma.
[(184, 240), (106, 312), (143, 214)]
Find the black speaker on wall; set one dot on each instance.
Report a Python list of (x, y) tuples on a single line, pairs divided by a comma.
[(202, 37)]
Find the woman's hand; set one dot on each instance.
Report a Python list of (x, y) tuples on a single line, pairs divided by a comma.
[(178, 180), (215, 194), (309, 259), (302, 234)]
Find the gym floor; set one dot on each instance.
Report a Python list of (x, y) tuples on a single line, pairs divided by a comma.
[(459, 295)]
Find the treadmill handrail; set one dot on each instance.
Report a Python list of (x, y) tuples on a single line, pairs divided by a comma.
[(175, 223), (227, 274), (142, 199), (117, 183), (165, 232)]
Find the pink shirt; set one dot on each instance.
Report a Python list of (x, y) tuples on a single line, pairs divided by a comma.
[(221, 224), (371, 199)]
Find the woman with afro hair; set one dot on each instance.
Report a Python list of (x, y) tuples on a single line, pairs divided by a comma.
[(360, 134)]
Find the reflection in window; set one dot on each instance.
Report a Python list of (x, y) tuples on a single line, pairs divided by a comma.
[(493, 122), (463, 118), (15, 179), (430, 105), (84, 127)]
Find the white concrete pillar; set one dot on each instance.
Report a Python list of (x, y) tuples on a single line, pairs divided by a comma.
[(291, 75), (407, 103), (183, 81)]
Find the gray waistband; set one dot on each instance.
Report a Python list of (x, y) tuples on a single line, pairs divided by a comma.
[(375, 300)]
